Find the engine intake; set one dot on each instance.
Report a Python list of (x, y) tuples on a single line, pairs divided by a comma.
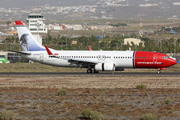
[(105, 67)]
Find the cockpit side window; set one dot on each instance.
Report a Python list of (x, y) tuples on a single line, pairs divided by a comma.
[(165, 57)]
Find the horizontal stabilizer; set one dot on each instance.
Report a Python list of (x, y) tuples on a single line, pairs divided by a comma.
[(21, 52)]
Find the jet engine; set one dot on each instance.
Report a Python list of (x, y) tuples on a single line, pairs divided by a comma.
[(105, 67)]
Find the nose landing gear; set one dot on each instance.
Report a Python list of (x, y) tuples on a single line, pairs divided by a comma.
[(159, 71)]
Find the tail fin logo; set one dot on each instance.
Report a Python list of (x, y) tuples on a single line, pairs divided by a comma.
[(24, 42), (27, 40)]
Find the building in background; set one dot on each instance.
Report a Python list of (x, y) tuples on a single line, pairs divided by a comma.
[(11, 56), (35, 23), (63, 27)]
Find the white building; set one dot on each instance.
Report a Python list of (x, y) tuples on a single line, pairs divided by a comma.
[(77, 27), (1, 33), (58, 27), (69, 27), (176, 3), (35, 23)]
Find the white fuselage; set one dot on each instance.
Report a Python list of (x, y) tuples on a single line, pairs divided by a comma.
[(119, 58)]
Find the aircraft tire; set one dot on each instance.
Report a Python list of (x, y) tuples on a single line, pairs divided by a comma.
[(89, 70), (158, 71)]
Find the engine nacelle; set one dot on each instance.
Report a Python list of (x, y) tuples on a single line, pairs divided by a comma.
[(105, 67), (119, 69)]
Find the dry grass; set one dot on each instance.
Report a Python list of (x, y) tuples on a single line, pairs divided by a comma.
[(37, 67), (99, 82), (34, 97)]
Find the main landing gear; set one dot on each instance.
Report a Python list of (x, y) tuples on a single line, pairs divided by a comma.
[(158, 71), (90, 71)]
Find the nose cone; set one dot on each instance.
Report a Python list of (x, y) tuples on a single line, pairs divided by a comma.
[(172, 61)]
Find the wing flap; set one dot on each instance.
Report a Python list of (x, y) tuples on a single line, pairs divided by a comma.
[(78, 61)]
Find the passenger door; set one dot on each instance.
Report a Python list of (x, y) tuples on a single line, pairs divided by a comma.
[(155, 59), (41, 57)]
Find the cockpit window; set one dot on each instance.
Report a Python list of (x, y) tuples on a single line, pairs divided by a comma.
[(165, 57)]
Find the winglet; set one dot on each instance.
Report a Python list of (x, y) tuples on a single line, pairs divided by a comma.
[(89, 48), (48, 51)]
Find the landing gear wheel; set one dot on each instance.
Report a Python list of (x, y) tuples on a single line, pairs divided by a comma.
[(158, 71), (89, 70), (96, 71)]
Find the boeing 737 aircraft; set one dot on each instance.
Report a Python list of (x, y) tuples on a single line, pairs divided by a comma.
[(92, 60)]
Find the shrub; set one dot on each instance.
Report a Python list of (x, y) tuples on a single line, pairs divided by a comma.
[(154, 102), (7, 115), (141, 86), (92, 115), (167, 101), (149, 117), (104, 88), (146, 94), (61, 92)]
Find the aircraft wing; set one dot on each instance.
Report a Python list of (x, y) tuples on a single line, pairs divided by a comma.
[(82, 62), (78, 62)]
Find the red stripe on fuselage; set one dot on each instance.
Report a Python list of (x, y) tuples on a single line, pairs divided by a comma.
[(19, 23), (152, 60)]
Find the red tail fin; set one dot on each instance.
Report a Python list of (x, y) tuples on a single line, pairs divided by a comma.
[(48, 51)]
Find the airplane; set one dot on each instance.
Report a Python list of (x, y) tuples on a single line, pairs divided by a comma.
[(93, 61), (4, 60)]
